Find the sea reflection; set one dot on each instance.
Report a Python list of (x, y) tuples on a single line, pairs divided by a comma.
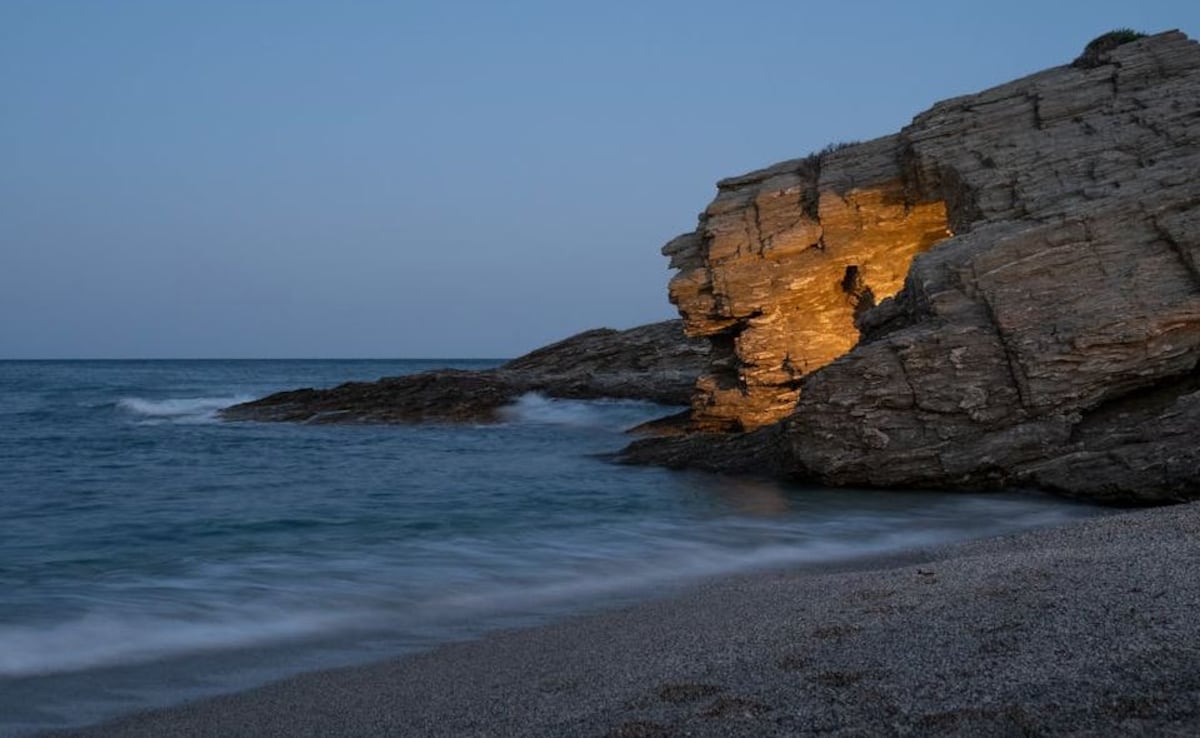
[(754, 497)]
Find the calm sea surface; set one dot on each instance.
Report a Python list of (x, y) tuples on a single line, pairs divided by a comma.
[(150, 553)]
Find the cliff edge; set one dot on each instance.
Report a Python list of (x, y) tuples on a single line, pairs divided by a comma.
[(1004, 293)]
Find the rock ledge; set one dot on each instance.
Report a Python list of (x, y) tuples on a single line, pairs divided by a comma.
[(653, 362)]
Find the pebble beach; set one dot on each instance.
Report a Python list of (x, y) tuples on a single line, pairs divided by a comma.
[(1083, 629)]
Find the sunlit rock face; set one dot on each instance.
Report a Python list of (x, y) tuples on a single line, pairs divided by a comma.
[(1052, 341), (783, 261)]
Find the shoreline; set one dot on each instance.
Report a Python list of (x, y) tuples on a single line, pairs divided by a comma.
[(1085, 628)]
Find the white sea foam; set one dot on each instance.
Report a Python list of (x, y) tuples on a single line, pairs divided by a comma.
[(536, 408), (382, 595), (683, 566), (117, 637), (104, 639), (668, 560), (180, 409)]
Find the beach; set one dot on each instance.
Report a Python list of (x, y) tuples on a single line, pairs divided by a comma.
[(1083, 629), (392, 370), (167, 556)]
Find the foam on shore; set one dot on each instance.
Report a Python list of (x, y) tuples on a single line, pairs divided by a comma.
[(1087, 628)]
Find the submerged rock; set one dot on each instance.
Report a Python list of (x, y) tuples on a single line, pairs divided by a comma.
[(652, 362), (1007, 292)]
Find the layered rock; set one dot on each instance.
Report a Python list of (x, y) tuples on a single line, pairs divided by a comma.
[(781, 264), (652, 362), (445, 396), (1052, 341)]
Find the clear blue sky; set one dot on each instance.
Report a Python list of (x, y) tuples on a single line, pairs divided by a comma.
[(404, 179)]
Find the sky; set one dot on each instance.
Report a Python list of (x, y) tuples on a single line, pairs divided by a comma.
[(297, 179)]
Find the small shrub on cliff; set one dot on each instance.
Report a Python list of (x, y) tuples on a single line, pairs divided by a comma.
[(836, 146), (810, 166), (814, 159), (1096, 52), (817, 156)]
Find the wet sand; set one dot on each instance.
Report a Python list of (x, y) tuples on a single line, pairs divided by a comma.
[(1092, 628)]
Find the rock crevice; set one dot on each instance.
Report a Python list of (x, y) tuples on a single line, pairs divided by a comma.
[(785, 262)]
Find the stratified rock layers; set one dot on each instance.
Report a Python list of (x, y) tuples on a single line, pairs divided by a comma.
[(783, 261), (1052, 341)]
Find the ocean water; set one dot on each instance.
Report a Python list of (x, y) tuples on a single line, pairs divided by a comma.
[(150, 553)]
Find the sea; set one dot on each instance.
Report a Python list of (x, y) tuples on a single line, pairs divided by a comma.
[(151, 553)]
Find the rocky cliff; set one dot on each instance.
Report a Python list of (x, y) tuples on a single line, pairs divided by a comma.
[(653, 362), (1006, 292)]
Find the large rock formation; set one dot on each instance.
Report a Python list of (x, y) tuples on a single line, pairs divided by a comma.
[(1047, 235), (783, 261), (652, 362)]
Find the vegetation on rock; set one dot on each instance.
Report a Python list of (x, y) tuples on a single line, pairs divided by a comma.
[(1096, 52)]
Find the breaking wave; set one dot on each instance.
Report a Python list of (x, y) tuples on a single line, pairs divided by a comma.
[(618, 415), (106, 639), (179, 410), (533, 579)]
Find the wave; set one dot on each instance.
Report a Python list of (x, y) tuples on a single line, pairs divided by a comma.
[(390, 598), (111, 638), (386, 607), (179, 410), (690, 562), (618, 415)]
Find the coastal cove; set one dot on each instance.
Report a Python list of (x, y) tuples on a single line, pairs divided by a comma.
[(151, 553), (1079, 630), (917, 458)]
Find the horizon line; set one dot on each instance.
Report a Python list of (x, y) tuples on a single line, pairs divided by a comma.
[(263, 358)]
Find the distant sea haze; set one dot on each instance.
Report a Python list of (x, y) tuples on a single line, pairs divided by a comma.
[(151, 553)]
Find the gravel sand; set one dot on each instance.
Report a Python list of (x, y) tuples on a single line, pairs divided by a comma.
[(1092, 628)]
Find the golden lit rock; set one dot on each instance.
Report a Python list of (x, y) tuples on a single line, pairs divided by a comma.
[(782, 262)]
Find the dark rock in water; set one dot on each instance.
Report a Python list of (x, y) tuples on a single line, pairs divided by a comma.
[(757, 453), (671, 425), (1006, 292), (446, 395), (653, 362)]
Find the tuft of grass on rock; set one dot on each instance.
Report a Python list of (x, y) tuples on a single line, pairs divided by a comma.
[(837, 146), (1096, 52), (815, 158)]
